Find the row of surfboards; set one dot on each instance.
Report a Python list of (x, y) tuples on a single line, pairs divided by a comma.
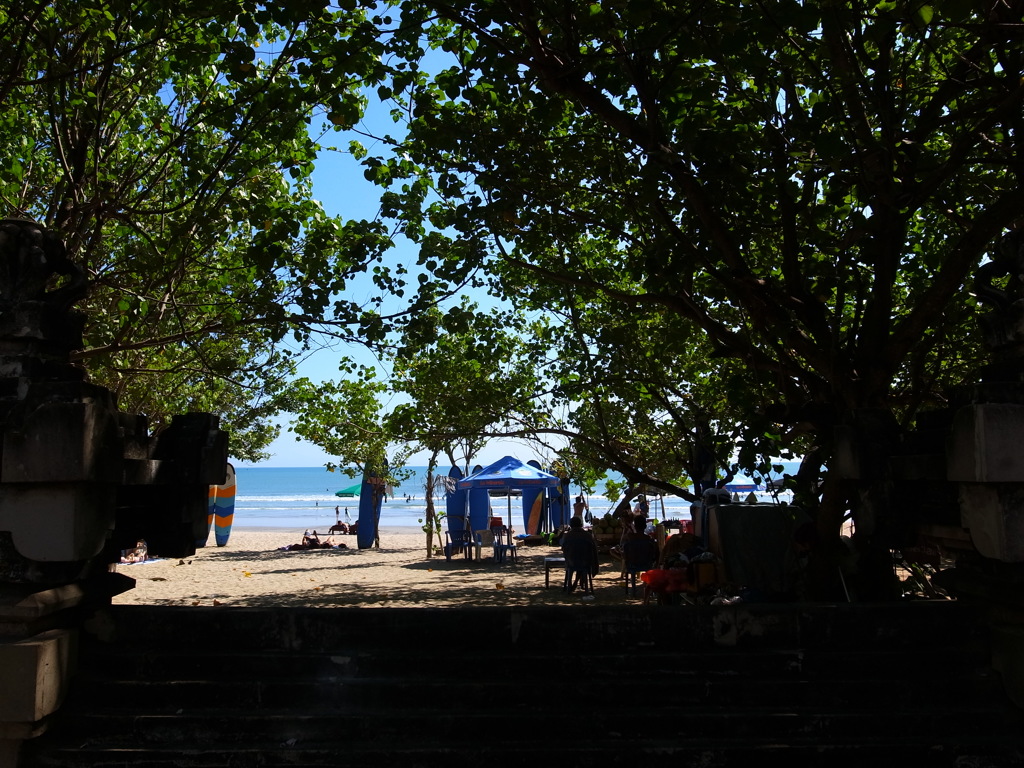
[(221, 507), (220, 510)]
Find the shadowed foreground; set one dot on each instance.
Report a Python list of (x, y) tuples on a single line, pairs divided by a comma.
[(573, 686)]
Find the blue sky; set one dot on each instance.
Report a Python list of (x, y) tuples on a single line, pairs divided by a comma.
[(339, 185)]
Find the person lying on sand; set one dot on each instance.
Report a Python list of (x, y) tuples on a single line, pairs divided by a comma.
[(311, 541), (137, 554)]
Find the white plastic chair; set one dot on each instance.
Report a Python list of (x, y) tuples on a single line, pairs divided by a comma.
[(483, 539)]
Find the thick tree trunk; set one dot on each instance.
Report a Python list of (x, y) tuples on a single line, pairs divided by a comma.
[(857, 484), (825, 578)]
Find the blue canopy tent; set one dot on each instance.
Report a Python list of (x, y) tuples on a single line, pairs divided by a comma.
[(506, 474)]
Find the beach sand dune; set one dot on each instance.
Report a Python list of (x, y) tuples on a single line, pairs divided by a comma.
[(252, 571)]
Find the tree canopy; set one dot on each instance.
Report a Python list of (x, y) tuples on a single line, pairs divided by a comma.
[(171, 145), (744, 224), (802, 189)]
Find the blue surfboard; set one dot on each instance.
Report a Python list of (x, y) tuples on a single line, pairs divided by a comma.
[(479, 506), (455, 502), (371, 497)]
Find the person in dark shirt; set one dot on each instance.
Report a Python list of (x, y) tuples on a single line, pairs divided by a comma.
[(639, 551), (580, 552)]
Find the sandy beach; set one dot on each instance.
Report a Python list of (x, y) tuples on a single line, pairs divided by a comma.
[(252, 570)]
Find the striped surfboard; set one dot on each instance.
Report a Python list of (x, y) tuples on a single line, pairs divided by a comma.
[(224, 508)]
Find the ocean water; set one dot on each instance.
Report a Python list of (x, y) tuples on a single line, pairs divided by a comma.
[(303, 497), (298, 498)]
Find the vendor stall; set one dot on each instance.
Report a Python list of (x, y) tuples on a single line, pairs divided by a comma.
[(506, 475)]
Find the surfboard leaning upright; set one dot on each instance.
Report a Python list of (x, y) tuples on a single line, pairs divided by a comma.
[(211, 513), (559, 505), (455, 502), (371, 497), (220, 510), (224, 508), (479, 506), (533, 504)]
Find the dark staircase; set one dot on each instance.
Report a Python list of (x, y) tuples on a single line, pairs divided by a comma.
[(904, 684)]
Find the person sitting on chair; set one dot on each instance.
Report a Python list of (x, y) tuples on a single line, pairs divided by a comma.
[(639, 551), (580, 552)]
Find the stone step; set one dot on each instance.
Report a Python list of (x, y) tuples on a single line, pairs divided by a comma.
[(853, 751), (543, 629), (438, 722), (183, 664), (658, 686), (594, 694)]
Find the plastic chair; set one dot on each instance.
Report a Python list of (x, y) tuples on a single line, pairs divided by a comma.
[(458, 541), (578, 577), (483, 539), (503, 544)]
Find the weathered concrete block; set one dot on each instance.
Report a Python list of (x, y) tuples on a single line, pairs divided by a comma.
[(60, 522), (24, 612), (994, 515), (985, 444), (34, 675), (47, 440), (918, 467)]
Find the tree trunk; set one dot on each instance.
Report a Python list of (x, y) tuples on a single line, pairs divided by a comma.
[(430, 518), (825, 578), (858, 482)]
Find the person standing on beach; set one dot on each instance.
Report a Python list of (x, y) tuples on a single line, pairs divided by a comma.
[(580, 508)]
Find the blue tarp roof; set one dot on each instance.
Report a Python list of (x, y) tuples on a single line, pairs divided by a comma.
[(509, 472)]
